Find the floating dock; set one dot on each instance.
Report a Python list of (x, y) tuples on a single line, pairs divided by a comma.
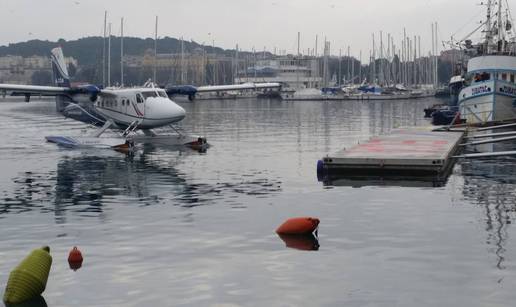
[(418, 153)]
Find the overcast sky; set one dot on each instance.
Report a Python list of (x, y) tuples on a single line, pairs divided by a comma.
[(258, 23)]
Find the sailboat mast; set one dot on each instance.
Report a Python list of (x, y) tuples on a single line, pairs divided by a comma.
[(122, 52), (316, 41), (373, 61), (360, 67), (298, 60), (109, 57), (104, 51), (155, 50), (432, 56), (405, 79), (316, 67), (182, 61), (414, 66), (352, 61), (389, 58), (236, 62), (340, 66), (348, 61), (402, 62), (382, 79), (436, 58)]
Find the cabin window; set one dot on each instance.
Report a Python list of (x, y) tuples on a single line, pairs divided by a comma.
[(482, 77), (139, 98)]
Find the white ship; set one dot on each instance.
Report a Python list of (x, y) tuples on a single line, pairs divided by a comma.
[(489, 93), (293, 73)]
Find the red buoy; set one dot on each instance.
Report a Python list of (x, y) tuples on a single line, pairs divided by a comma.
[(75, 258), (298, 225)]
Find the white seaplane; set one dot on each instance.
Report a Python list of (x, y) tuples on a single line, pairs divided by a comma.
[(128, 110)]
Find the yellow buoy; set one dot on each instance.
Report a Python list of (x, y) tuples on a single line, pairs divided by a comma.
[(29, 278)]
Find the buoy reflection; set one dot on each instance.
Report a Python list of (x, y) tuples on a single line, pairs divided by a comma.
[(305, 242), (75, 265), (37, 301)]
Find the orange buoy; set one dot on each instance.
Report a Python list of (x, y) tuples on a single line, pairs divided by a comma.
[(298, 225), (75, 259)]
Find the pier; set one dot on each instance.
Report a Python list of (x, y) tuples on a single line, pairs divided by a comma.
[(409, 153)]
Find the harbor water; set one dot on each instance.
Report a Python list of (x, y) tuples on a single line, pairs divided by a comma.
[(171, 226)]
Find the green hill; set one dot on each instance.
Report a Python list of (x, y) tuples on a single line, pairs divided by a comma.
[(88, 50)]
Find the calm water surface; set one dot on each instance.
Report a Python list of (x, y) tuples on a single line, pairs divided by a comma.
[(171, 227)]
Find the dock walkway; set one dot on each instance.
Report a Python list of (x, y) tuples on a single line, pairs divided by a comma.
[(407, 152)]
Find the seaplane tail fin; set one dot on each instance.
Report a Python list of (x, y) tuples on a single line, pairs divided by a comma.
[(61, 77)]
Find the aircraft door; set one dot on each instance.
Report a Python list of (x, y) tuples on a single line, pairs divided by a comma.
[(126, 106), (139, 106)]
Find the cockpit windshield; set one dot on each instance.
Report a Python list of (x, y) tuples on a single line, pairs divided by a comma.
[(149, 94), (154, 94)]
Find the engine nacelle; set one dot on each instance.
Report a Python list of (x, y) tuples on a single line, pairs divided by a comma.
[(187, 90), (89, 90)]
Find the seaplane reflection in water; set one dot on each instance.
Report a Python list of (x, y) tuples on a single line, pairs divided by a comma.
[(128, 110), (87, 180)]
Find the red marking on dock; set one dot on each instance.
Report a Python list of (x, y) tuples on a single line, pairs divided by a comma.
[(409, 142), (440, 142), (413, 148)]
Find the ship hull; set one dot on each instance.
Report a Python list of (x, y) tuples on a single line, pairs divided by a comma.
[(487, 102)]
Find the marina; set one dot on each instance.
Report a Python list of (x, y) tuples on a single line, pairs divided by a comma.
[(258, 154)]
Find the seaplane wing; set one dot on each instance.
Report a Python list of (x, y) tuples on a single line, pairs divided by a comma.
[(236, 87), (107, 93), (22, 90), (190, 90)]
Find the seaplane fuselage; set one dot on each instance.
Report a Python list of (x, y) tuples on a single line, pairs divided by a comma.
[(148, 106)]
